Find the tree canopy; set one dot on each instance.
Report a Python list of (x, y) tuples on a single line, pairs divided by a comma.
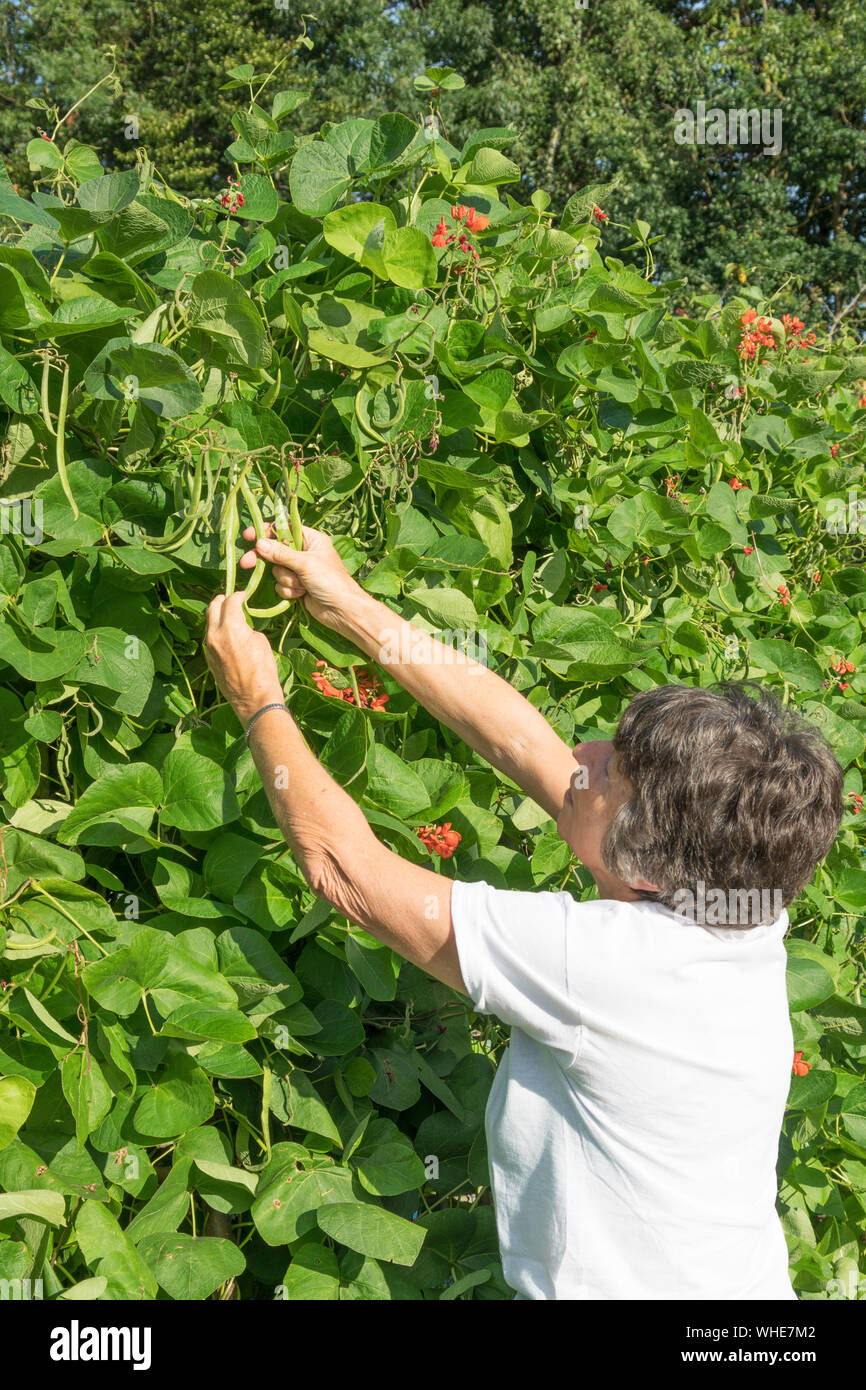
[(591, 92)]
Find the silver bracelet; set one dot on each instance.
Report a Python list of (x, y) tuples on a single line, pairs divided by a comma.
[(264, 709)]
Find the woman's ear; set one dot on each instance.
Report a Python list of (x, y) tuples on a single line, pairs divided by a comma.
[(644, 885)]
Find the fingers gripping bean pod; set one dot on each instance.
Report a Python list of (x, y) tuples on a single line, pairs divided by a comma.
[(258, 523)]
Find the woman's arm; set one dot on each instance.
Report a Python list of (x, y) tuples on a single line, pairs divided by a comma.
[(403, 905), (488, 713)]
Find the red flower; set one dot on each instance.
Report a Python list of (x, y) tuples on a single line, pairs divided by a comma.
[(800, 1068), (737, 485), (476, 221), (596, 588), (598, 214), (842, 666), (748, 317), (784, 594), (862, 400), (370, 692), (816, 577), (439, 839), (834, 449), (747, 549), (858, 802)]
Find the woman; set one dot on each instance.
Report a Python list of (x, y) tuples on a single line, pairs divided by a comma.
[(634, 1121)]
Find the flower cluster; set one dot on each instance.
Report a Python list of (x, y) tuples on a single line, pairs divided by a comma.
[(841, 665), (736, 484), (439, 839), (232, 198), (761, 335), (800, 1067), (858, 802), (370, 692), (472, 222), (598, 214), (794, 335), (753, 338), (784, 595), (843, 668)]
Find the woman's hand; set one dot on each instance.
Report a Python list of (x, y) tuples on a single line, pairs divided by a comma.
[(315, 574), (241, 660)]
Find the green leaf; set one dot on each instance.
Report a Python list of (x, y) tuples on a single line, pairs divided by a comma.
[(409, 259), (181, 1098), (393, 785), (88, 1093), (32, 1202), (319, 176), (149, 373), (289, 1199), (260, 198), (296, 1102), (191, 1267), (110, 1253), (314, 1274), (117, 807), (450, 607), (359, 232), (371, 1231), (811, 1090), (198, 794), (17, 1095), (809, 983), (220, 307), (110, 192), (792, 663)]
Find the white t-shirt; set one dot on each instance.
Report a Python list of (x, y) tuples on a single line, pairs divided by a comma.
[(633, 1125)]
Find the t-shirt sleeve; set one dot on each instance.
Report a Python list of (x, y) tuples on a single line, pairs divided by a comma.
[(513, 956)]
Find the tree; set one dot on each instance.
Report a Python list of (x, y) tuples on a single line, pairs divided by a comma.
[(590, 93)]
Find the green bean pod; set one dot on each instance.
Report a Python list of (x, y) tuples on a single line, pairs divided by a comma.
[(282, 523), (230, 523), (61, 447), (255, 512), (258, 522), (295, 519)]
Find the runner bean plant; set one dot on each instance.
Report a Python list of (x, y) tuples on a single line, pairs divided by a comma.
[(211, 1084)]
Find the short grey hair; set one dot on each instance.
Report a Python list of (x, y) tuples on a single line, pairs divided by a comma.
[(730, 790)]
